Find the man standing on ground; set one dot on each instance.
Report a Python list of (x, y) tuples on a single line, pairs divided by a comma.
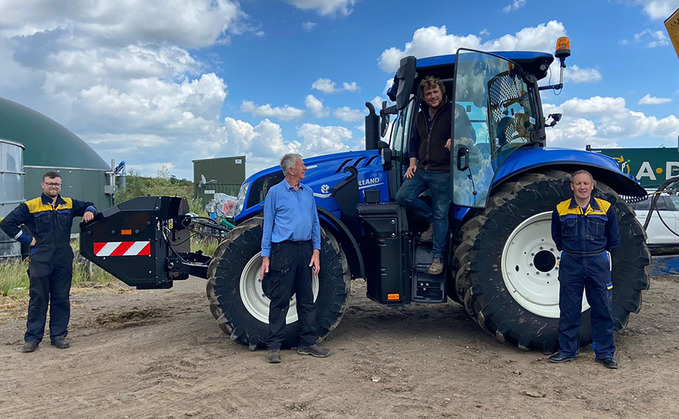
[(585, 227), (291, 246), (429, 164), (48, 220)]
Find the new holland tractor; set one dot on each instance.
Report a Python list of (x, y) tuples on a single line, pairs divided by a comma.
[(501, 262)]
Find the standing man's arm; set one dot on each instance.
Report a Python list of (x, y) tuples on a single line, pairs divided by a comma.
[(315, 262), (267, 229), (556, 229), (83, 209), (11, 225), (612, 233)]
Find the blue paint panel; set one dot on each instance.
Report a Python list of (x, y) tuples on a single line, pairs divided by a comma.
[(664, 265)]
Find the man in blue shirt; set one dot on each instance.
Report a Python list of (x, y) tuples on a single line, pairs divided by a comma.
[(291, 247)]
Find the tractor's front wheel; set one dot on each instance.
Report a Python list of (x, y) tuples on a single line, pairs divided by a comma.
[(237, 300), (508, 264)]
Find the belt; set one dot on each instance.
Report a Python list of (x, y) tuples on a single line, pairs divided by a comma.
[(295, 242), (594, 252)]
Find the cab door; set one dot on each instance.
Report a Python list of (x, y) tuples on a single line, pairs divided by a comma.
[(496, 89)]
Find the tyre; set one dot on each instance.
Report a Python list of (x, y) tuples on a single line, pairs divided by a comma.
[(508, 264), (238, 303)]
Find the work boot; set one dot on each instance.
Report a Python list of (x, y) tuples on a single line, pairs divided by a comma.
[(428, 234), (559, 358), (314, 350), (60, 343), (436, 267), (274, 356), (609, 363), (29, 347)]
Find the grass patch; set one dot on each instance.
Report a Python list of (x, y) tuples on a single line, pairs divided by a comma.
[(13, 276)]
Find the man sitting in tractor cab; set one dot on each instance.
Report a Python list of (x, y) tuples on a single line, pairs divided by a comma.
[(429, 165)]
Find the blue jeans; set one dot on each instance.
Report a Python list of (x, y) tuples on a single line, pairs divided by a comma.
[(438, 183)]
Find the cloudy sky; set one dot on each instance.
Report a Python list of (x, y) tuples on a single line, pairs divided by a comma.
[(163, 85)]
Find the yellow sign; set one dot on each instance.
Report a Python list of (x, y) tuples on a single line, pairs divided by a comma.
[(672, 25)]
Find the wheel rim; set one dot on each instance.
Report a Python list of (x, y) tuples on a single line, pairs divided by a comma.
[(252, 294), (532, 277)]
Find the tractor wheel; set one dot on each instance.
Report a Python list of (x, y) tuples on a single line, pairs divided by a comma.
[(508, 263), (238, 303)]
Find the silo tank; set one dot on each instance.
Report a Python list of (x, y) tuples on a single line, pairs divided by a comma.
[(11, 191)]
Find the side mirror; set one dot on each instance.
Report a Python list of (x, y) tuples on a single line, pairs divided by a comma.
[(406, 77)]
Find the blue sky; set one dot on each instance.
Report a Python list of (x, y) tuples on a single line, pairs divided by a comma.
[(163, 85)]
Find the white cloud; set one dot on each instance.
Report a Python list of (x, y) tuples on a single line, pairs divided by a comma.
[(347, 114), (350, 87), (576, 74), (316, 107), (658, 9), (514, 5), (434, 40), (84, 24), (308, 26), (320, 140), (326, 7), (652, 39), (329, 86), (285, 113), (605, 122), (651, 100)]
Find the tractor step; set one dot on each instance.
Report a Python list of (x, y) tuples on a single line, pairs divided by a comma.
[(429, 288)]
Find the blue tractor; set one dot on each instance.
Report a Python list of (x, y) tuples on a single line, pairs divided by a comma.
[(501, 264)]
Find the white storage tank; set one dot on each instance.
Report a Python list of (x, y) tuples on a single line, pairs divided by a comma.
[(11, 190)]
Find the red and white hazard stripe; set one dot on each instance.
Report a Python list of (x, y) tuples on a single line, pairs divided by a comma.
[(103, 249)]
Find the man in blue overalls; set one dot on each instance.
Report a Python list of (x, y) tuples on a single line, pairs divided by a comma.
[(48, 220), (584, 228)]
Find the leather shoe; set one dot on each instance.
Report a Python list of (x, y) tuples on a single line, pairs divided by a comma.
[(29, 347), (274, 356), (60, 343), (559, 358), (609, 363)]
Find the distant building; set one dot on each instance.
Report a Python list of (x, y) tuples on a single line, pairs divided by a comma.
[(222, 174), (50, 146)]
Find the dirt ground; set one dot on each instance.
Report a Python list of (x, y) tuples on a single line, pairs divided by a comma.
[(143, 354)]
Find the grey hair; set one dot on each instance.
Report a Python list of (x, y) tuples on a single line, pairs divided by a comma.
[(288, 162), (583, 172)]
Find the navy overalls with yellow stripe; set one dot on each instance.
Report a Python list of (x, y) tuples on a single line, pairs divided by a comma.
[(51, 266), (584, 235)]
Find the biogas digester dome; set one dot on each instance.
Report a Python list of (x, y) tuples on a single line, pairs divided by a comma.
[(50, 146)]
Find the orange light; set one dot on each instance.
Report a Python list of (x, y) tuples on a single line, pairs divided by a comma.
[(563, 47), (392, 297), (127, 232)]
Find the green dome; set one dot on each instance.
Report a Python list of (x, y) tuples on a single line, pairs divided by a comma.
[(47, 142)]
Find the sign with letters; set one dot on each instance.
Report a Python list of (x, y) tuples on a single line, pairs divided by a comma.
[(652, 166), (672, 26)]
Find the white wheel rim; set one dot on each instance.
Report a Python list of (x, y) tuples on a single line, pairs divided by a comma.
[(252, 294), (532, 275)]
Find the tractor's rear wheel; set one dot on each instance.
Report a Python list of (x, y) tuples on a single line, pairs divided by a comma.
[(508, 264), (238, 303)]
